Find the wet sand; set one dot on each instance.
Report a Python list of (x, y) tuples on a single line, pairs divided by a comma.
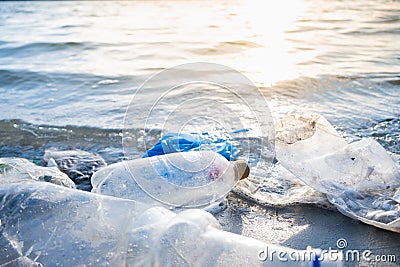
[(301, 226)]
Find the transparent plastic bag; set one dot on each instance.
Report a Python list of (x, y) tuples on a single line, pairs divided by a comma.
[(360, 178), (281, 188)]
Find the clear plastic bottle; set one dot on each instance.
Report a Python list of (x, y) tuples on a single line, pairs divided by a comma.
[(42, 224), (188, 179)]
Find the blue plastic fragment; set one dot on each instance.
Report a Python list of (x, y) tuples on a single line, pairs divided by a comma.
[(174, 142), (244, 130), (316, 262)]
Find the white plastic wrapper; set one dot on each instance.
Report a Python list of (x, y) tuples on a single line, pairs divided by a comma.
[(360, 178), (42, 224), (24, 169)]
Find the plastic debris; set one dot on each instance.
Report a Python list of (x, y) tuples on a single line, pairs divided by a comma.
[(24, 169), (175, 246), (47, 225), (187, 179), (281, 188), (275, 185), (174, 142), (360, 178), (78, 165)]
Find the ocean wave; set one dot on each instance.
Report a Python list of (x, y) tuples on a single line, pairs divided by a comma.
[(26, 140), (33, 49), (229, 47)]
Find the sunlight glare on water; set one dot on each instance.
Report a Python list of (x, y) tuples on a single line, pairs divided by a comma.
[(270, 60)]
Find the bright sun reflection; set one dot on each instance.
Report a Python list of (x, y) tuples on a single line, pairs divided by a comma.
[(272, 61), (250, 36)]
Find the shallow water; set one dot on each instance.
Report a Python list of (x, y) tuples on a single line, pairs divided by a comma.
[(79, 63)]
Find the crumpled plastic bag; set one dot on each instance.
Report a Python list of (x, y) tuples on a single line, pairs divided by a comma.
[(360, 178), (182, 142), (24, 169), (281, 188)]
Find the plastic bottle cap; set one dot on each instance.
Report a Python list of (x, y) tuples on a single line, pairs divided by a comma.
[(244, 169)]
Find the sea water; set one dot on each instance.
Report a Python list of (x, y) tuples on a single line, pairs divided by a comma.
[(69, 69)]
